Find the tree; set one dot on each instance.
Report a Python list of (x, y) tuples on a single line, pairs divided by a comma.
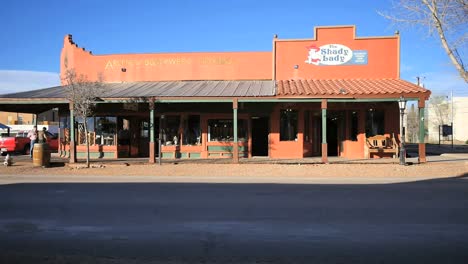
[(412, 125), (446, 18), (440, 107), (439, 114), (83, 94)]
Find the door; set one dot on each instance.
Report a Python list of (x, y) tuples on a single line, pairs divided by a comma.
[(260, 131), (143, 148), (335, 133)]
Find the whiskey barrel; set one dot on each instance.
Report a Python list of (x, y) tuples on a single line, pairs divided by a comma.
[(41, 155)]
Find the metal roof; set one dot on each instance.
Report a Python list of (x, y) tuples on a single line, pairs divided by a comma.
[(2, 126), (164, 89)]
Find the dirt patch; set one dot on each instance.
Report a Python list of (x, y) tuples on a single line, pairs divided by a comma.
[(435, 169)]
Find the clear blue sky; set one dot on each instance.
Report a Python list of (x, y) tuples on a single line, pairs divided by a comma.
[(32, 33)]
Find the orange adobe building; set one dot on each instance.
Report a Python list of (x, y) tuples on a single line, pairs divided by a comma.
[(322, 96)]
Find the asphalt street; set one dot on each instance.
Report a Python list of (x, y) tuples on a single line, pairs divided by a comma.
[(417, 222)]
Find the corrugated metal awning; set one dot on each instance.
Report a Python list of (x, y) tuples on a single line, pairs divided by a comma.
[(164, 89)]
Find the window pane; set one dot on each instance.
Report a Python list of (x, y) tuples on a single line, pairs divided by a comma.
[(288, 125), (105, 129), (354, 125), (192, 132), (375, 123), (144, 129), (64, 129), (124, 132), (170, 130), (82, 137), (222, 130)]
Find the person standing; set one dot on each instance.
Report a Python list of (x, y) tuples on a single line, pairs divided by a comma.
[(42, 136), (32, 135)]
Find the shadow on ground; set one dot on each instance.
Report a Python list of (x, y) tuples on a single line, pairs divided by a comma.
[(437, 150), (417, 222)]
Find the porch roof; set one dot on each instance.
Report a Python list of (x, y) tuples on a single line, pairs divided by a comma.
[(163, 89), (339, 90), (356, 88)]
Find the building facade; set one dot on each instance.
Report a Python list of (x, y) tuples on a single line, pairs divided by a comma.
[(448, 112), (321, 96)]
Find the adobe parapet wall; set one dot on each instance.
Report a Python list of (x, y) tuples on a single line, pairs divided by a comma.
[(166, 66), (333, 53)]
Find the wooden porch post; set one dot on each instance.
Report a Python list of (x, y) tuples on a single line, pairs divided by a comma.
[(72, 135), (151, 127), (324, 131), (421, 145), (235, 145)]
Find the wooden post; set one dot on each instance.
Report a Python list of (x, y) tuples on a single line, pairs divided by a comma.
[(235, 144), (421, 145), (324, 131), (152, 154), (72, 135)]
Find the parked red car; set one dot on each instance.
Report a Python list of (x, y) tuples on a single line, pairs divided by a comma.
[(21, 143)]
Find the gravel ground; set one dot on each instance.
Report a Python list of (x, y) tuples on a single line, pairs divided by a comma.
[(244, 171)]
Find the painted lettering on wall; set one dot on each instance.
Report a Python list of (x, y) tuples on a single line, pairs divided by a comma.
[(216, 60), (153, 62), (335, 54)]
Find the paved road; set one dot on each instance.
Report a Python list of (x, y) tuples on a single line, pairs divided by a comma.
[(418, 222)]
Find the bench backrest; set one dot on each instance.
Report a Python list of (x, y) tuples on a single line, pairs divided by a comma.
[(381, 141)]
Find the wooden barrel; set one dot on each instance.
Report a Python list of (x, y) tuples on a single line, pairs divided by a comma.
[(41, 155)]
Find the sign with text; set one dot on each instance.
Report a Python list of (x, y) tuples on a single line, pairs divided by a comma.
[(335, 54), (112, 64)]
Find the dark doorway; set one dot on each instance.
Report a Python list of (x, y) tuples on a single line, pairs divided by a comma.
[(260, 130), (332, 136), (335, 132)]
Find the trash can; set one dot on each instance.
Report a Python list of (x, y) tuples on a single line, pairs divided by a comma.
[(41, 155)]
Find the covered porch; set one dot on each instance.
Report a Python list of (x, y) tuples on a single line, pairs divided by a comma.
[(230, 119)]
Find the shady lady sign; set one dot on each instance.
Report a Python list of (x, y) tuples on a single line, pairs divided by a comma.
[(335, 54)]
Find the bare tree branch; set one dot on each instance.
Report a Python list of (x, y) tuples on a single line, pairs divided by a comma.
[(83, 94), (448, 19)]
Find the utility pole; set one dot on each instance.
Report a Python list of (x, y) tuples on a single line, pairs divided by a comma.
[(451, 123)]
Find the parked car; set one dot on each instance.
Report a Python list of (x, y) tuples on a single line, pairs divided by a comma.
[(21, 143)]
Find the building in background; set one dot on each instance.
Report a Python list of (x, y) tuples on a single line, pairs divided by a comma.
[(460, 116), (25, 121), (9, 118), (444, 113)]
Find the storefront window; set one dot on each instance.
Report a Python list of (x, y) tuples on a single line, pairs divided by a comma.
[(375, 122), (170, 130), (64, 129), (105, 130), (101, 130), (192, 131), (288, 125), (222, 130), (354, 125), (80, 128)]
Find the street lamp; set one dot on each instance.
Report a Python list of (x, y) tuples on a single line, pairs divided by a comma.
[(402, 104)]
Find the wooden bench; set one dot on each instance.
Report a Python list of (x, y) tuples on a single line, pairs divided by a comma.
[(381, 144)]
